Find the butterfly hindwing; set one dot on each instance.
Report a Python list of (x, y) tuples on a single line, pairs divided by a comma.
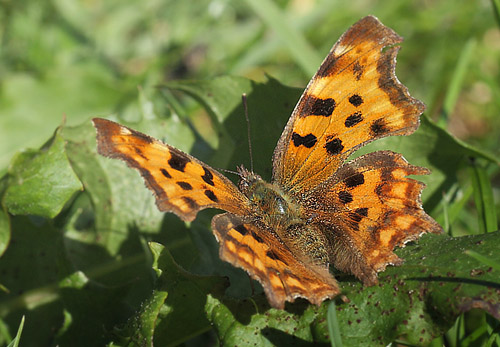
[(181, 183), (267, 260), (376, 207), (353, 99)]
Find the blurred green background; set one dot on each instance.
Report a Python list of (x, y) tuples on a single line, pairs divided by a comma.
[(81, 59)]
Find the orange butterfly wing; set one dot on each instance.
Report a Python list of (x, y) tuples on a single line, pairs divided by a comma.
[(353, 99), (368, 206), (181, 183), (184, 185), (269, 261)]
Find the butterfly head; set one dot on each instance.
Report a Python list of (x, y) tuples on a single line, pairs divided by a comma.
[(247, 179)]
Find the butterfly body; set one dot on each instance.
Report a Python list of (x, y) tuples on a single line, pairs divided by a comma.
[(268, 202), (280, 213), (319, 208)]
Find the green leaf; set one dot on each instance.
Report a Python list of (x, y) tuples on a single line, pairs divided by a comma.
[(269, 103), (41, 181), (174, 312), (483, 197), (252, 323), (220, 96), (17, 339), (333, 325), (422, 298), (4, 231), (416, 301)]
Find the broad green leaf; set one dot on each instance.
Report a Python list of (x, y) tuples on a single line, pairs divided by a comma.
[(30, 269), (269, 107), (47, 281), (251, 322), (414, 302), (41, 181), (220, 96), (174, 312)]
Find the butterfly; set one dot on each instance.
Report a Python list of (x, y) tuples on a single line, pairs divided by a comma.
[(319, 209)]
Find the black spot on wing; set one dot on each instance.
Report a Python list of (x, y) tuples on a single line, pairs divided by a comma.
[(165, 173), (241, 229), (378, 127), (355, 180), (257, 238), (357, 70), (307, 141), (270, 254), (355, 100), (345, 197), (211, 195), (178, 161), (356, 217), (190, 202), (139, 153), (318, 107), (208, 177), (142, 136), (361, 212), (353, 119), (334, 146), (184, 185)]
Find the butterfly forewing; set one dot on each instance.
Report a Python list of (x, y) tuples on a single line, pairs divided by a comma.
[(181, 183), (353, 99)]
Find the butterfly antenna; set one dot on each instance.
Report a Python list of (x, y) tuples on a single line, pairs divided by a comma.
[(245, 107), (229, 171)]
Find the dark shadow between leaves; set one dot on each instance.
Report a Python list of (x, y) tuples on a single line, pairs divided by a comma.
[(280, 338)]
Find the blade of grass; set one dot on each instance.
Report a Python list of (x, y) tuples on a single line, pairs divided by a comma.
[(456, 333), (446, 217), (299, 48), (333, 326), (496, 10), (456, 82), (15, 342), (483, 198), (473, 336), (453, 204), (493, 331)]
